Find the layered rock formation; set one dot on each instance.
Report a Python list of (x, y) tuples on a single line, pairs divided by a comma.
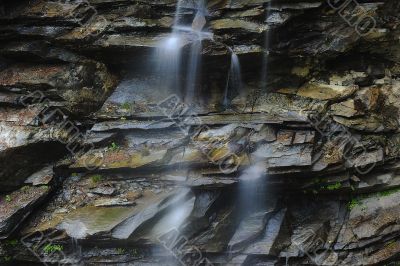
[(102, 164)]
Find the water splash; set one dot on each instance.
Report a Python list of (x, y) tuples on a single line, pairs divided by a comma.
[(74, 228), (234, 78), (252, 187), (173, 219)]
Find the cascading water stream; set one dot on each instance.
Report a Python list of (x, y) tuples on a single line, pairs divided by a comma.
[(173, 68), (252, 185), (252, 190), (252, 181), (169, 62), (193, 71), (234, 78), (169, 56)]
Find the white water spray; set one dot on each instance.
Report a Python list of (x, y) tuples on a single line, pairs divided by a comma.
[(252, 187)]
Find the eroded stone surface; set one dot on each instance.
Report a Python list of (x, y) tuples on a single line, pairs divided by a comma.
[(323, 124), (16, 206)]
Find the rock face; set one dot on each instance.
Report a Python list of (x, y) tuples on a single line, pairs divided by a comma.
[(286, 154)]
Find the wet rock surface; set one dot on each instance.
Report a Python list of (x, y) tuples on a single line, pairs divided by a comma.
[(102, 162)]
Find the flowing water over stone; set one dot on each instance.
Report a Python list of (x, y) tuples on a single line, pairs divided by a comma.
[(269, 18), (76, 251), (150, 185), (252, 188), (192, 78), (171, 61), (168, 58), (234, 83)]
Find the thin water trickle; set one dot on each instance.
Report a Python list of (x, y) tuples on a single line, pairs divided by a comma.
[(193, 70), (264, 73), (234, 78), (76, 250)]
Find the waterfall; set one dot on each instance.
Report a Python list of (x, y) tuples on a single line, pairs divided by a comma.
[(170, 58), (253, 190), (234, 78)]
